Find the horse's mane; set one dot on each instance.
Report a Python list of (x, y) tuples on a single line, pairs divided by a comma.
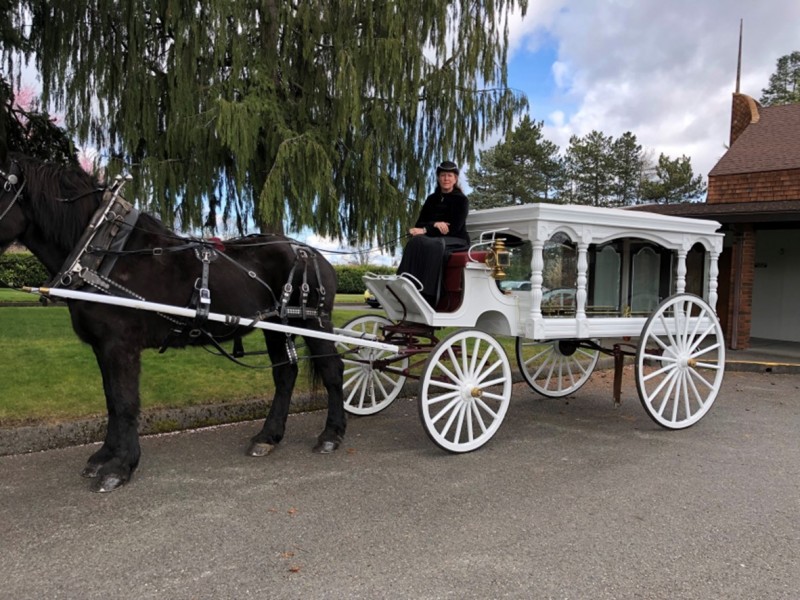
[(62, 198)]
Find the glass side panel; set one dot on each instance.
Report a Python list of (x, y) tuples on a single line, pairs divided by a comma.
[(606, 280), (645, 281), (560, 276)]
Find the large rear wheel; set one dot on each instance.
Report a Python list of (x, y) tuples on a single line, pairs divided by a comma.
[(680, 361)]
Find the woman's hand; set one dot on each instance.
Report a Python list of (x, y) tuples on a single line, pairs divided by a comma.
[(444, 228), (417, 231)]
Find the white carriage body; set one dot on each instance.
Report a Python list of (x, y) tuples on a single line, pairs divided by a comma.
[(519, 313)]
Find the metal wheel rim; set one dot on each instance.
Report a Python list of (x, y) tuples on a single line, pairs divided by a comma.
[(367, 390), (465, 391), (678, 386), (551, 373)]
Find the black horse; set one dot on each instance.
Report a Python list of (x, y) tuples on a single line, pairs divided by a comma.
[(48, 208)]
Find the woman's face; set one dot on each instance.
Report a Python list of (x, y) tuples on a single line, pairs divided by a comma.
[(447, 181)]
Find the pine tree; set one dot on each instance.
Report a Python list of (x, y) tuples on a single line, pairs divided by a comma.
[(524, 168), (590, 172), (322, 113), (629, 162), (784, 83), (674, 182)]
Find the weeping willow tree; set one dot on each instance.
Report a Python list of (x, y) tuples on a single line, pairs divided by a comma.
[(315, 113)]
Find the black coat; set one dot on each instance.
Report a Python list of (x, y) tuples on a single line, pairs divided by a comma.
[(451, 207)]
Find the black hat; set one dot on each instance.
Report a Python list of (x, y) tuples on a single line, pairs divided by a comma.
[(447, 167)]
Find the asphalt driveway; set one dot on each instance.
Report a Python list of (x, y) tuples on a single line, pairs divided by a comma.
[(572, 499)]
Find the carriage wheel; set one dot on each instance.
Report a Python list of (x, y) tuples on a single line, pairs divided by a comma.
[(466, 387), (555, 369), (367, 389), (680, 361)]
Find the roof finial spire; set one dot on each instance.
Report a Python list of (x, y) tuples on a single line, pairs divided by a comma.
[(739, 62)]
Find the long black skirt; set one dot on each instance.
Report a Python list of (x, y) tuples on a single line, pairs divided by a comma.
[(424, 257)]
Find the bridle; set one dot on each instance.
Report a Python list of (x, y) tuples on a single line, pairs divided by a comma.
[(10, 181)]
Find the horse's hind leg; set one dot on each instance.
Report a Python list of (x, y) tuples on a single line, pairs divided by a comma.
[(329, 367), (284, 375), (114, 463)]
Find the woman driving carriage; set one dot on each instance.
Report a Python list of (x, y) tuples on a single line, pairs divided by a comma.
[(439, 230)]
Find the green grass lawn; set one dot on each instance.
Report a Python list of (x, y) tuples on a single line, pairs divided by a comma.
[(48, 374), (11, 295)]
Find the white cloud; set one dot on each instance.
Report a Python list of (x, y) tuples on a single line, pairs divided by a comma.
[(662, 70)]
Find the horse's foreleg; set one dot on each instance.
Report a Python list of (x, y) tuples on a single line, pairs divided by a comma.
[(329, 367), (284, 375), (114, 463)]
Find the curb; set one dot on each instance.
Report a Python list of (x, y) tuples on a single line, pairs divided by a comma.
[(25, 439)]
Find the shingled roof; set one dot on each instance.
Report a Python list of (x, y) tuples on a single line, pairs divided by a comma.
[(751, 212), (770, 143)]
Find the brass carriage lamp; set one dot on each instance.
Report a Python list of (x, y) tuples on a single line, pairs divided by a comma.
[(499, 258)]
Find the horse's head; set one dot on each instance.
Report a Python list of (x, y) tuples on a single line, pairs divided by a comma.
[(12, 219), (45, 206)]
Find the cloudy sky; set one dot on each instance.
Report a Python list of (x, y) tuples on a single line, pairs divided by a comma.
[(662, 69)]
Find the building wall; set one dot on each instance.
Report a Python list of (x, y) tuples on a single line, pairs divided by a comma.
[(776, 286), (740, 288), (754, 187)]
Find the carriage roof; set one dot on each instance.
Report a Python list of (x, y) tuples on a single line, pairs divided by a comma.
[(595, 225)]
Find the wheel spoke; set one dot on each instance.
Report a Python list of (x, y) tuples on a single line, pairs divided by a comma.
[(478, 416), (457, 407), (668, 367), (496, 365), (486, 407), (669, 381)]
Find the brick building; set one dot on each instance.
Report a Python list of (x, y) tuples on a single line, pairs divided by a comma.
[(754, 191)]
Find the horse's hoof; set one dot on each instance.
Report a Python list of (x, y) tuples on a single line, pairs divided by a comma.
[(260, 449), (326, 447), (90, 471), (108, 483)]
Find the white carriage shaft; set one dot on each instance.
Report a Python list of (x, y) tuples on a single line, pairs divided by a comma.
[(352, 338)]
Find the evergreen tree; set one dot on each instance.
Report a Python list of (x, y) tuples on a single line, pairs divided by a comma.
[(525, 168), (321, 113), (590, 170), (629, 163), (674, 182), (784, 83)]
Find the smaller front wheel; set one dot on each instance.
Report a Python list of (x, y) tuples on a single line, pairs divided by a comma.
[(465, 391)]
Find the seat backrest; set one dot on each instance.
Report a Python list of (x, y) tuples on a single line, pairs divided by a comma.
[(453, 275)]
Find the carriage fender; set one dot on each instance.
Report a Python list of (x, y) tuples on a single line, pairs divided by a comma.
[(494, 322)]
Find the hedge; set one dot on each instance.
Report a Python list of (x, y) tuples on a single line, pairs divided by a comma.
[(18, 269), (22, 268), (350, 276)]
